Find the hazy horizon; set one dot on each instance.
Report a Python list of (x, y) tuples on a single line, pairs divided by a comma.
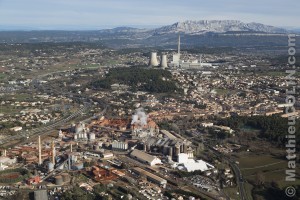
[(98, 14)]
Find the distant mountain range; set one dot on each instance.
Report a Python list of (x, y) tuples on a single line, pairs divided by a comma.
[(202, 32), (202, 27)]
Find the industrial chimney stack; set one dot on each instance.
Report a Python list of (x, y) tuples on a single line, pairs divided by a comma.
[(40, 150), (53, 153)]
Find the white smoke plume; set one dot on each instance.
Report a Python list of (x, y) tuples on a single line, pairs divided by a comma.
[(140, 117)]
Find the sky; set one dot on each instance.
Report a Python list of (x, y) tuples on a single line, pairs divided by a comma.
[(99, 14)]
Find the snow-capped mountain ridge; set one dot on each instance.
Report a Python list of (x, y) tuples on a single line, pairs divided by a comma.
[(217, 26)]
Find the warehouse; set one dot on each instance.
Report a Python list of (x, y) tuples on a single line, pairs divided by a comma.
[(150, 177), (145, 158)]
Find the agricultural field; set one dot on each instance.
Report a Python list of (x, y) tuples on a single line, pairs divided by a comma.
[(270, 167)]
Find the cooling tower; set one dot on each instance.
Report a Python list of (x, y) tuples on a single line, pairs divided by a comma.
[(163, 61), (153, 60)]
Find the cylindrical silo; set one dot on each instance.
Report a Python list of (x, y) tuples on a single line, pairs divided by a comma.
[(171, 151), (66, 177), (73, 158), (50, 166), (177, 150), (92, 136), (77, 166), (148, 147), (58, 180), (84, 136)]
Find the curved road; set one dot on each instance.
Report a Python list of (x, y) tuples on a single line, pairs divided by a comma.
[(236, 171)]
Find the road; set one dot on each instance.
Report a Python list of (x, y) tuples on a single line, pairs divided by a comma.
[(44, 130), (47, 129), (239, 179), (236, 171)]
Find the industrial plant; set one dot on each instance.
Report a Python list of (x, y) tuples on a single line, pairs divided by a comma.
[(177, 61)]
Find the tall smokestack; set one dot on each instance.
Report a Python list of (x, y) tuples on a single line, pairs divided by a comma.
[(200, 60), (53, 152), (153, 60), (179, 47), (163, 61), (40, 151), (71, 148), (69, 161)]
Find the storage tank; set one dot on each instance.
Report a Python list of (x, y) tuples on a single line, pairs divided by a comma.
[(78, 128), (30, 159), (73, 158), (44, 155), (170, 151), (58, 180), (92, 136), (77, 166), (84, 136), (75, 137), (50, 166), (177, 150), (148, 147), (66, 177)]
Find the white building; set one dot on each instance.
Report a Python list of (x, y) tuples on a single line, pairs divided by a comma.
[(190, 165), (195, 165), (7, 160), (3, 167), (145, 158)]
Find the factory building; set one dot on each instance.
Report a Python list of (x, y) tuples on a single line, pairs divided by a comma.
[(40, 195), (151, 177), (171, 145), (3, 167), (145, 158), (139, 130), (195, 64), (7, 160), (176, 57), (190, 165), (107, 155), (81, 132), (119, 146)]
